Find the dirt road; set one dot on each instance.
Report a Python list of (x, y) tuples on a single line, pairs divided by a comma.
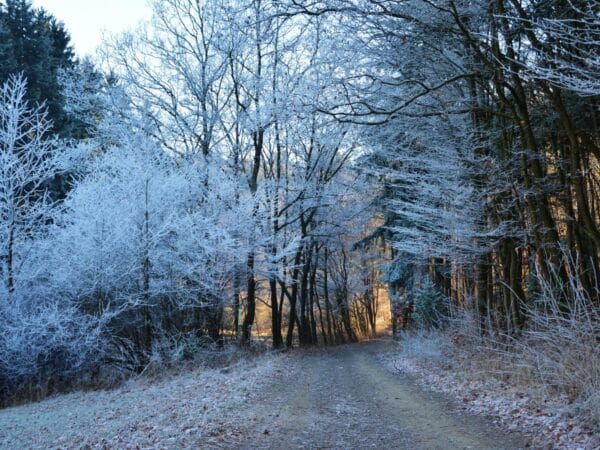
[(343, 398), (336, 398)]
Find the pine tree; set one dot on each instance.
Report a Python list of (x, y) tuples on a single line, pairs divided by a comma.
[(36, 44)]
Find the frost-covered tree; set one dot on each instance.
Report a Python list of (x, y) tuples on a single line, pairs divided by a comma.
[(142, 237), (43, 336), (567, 47), (27, 165), (173, 68), (37, 44), (485, 91)]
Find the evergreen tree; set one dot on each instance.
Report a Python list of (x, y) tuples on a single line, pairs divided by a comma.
[(35, 43)]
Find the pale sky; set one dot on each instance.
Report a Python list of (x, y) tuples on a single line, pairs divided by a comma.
[(86, 20)]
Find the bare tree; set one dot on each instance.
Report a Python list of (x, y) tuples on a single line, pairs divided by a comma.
[(27, 165)]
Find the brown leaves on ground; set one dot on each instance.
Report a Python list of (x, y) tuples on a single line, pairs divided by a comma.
[(550, 420)]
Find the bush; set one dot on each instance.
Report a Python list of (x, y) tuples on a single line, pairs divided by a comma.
[(429, 344), (44, 347), (176, 352)]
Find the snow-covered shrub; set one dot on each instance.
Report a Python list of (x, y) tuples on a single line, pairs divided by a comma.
[(44, 338), (45, 343), (178, 349), (556, 352), (427, 344)]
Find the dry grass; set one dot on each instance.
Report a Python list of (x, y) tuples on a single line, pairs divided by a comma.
[(544, 380), (557, 356), (546, 390)]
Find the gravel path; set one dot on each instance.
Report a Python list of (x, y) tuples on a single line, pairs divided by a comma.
[(343, 398), (340, 398)]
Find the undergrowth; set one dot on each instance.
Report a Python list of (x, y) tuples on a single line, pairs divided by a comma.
[(169, 356), (556, 356)]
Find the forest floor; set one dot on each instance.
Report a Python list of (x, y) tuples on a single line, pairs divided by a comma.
[(485, 384), (340, 397)]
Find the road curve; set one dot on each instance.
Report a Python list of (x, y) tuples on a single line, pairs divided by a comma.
[(343, 398)]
